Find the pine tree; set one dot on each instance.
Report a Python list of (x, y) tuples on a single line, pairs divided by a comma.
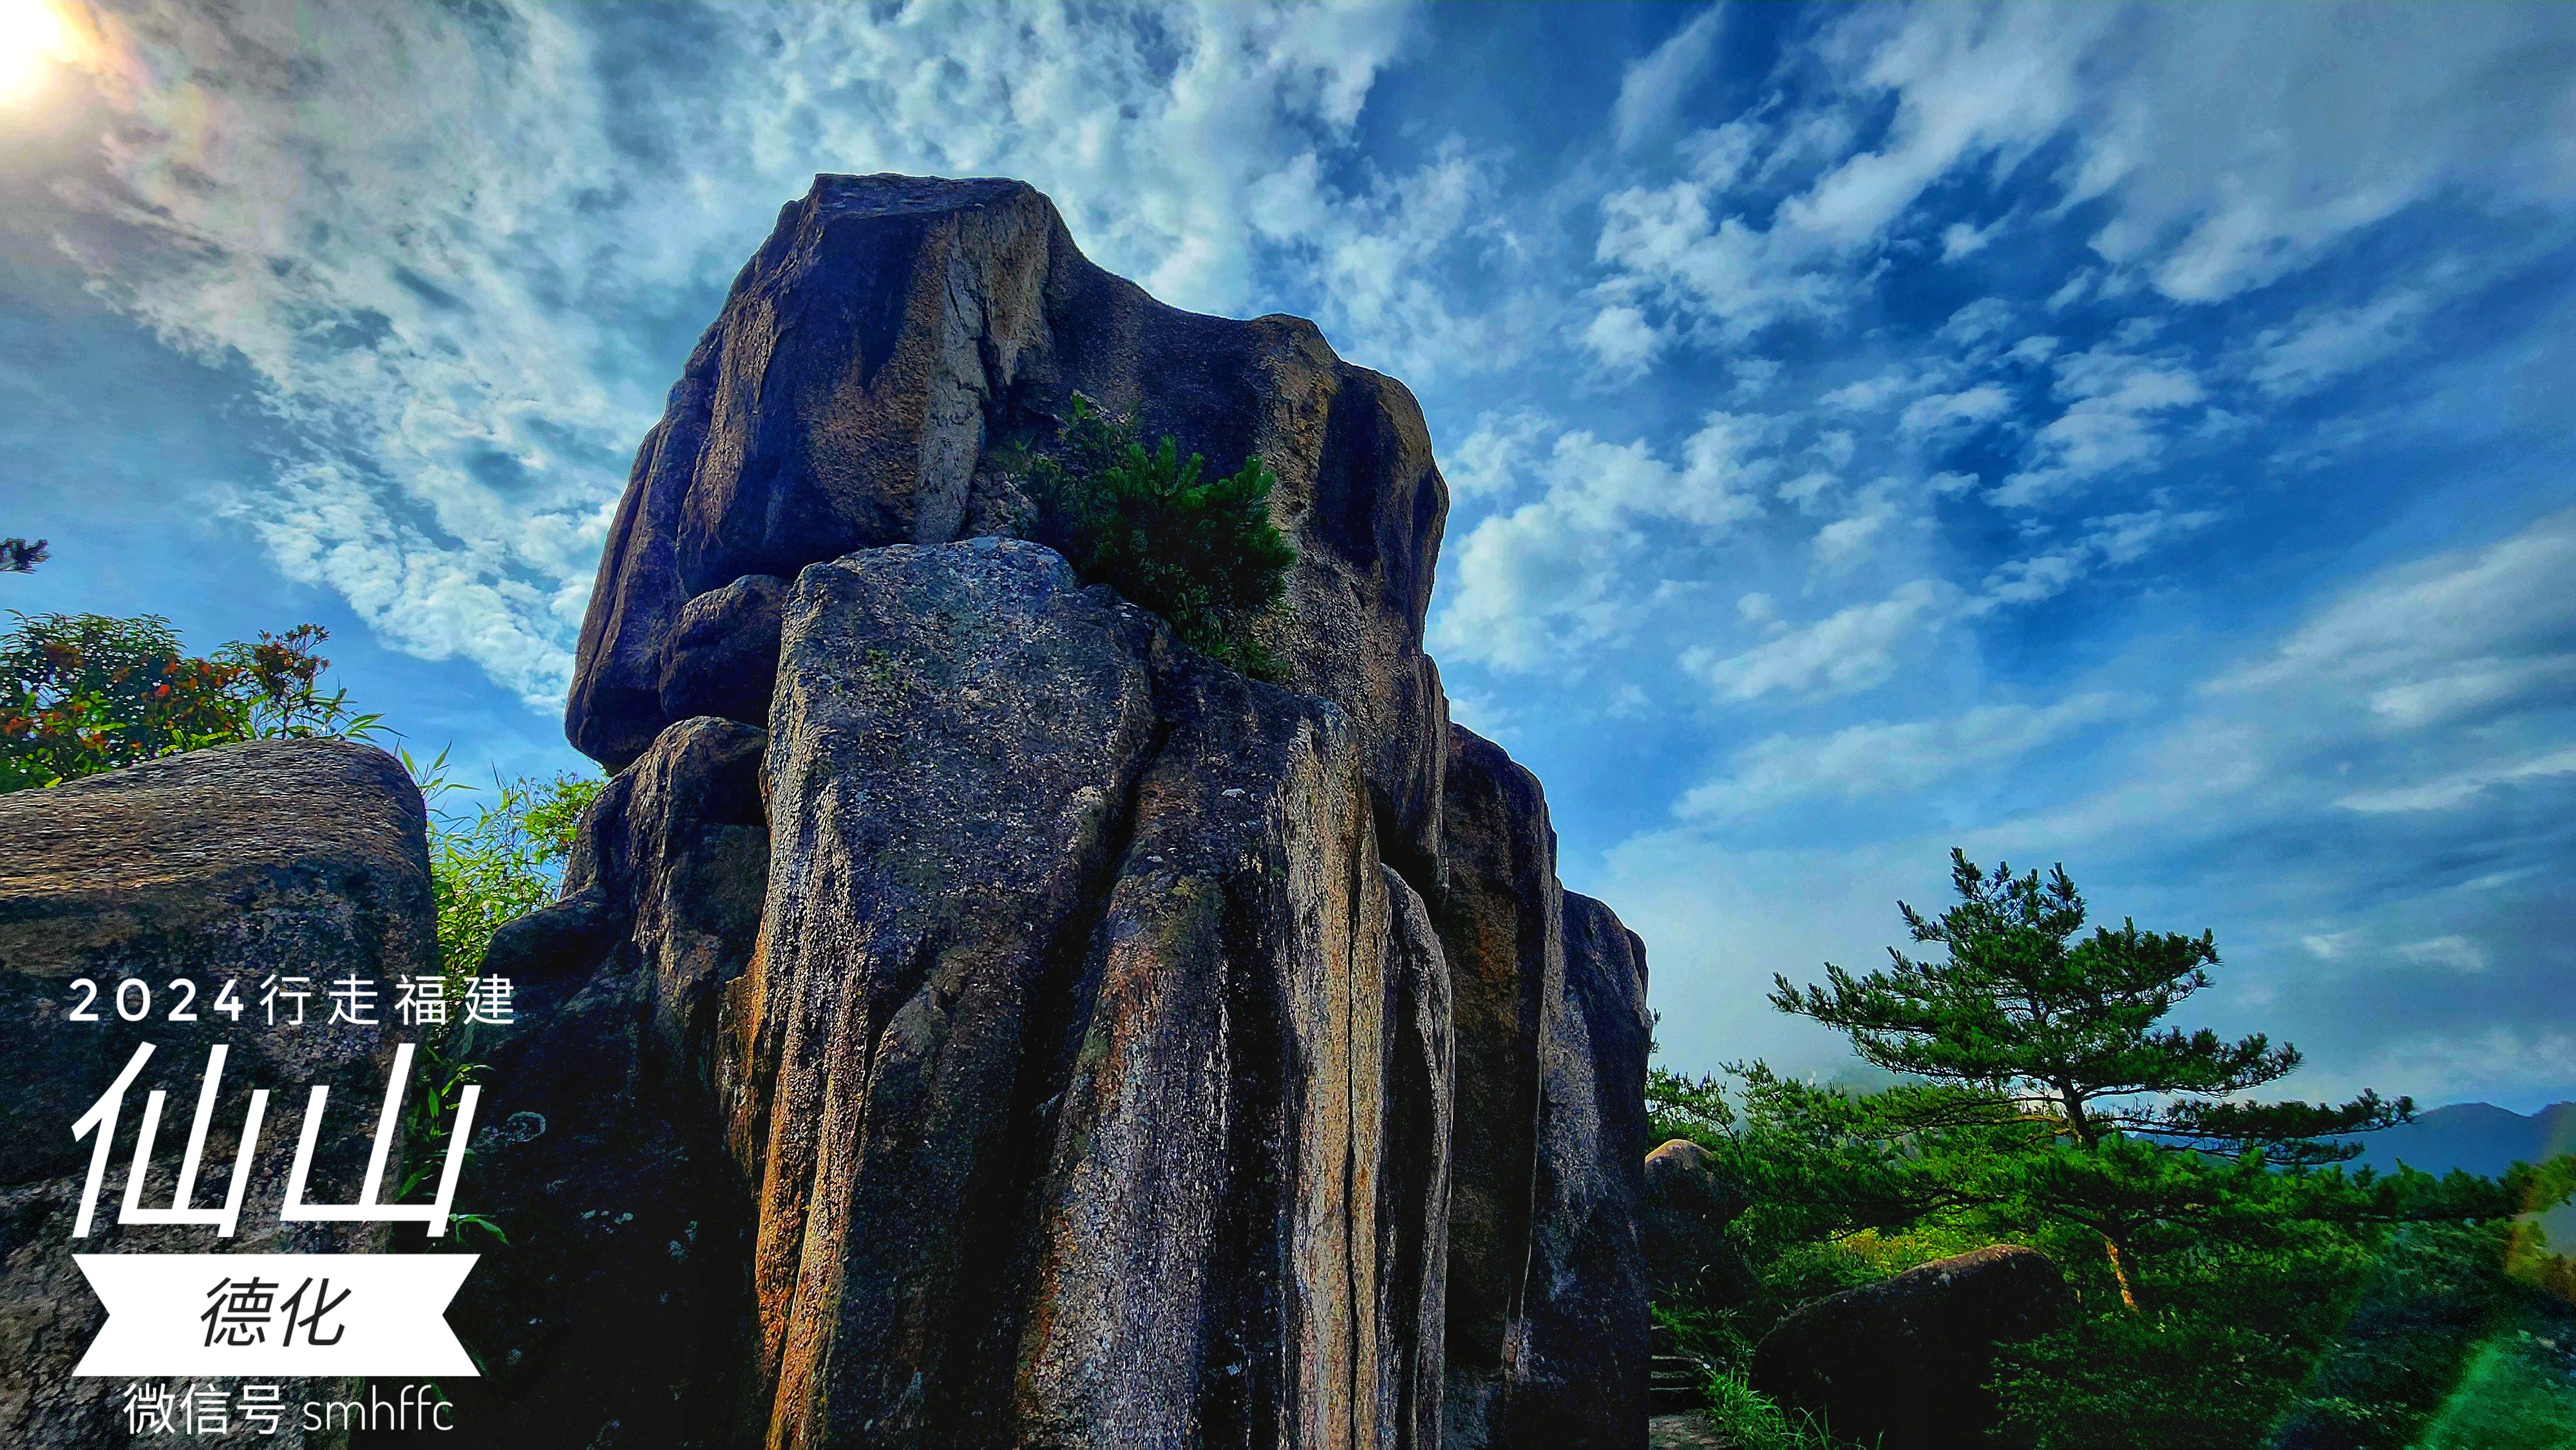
[(1201, 552), (2064, 1030)]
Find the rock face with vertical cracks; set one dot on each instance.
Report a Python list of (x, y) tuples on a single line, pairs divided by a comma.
[(1581, 1374), (225, 868), (1009, 1027), (889, 334), (1091, 1070), (1547, 1301)]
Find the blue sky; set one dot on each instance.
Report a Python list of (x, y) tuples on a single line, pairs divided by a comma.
[(2137, 438)]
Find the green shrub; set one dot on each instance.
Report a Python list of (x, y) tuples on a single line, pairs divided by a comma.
[(502, 859), (85, 693), (1201, 552)]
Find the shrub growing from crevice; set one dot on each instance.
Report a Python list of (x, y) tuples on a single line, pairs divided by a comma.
[(1199, 551)]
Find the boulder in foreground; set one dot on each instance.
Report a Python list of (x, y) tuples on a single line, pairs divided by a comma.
[(1904, 1363), (221, 866)]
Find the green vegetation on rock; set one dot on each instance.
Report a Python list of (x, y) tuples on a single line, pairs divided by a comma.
[(488, 866), (1201, 552), (501, 858)]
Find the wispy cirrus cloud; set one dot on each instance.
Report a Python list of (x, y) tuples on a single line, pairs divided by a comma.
[(1861, 762), (456, 253)]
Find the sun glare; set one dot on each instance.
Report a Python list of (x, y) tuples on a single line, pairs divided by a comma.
[(32, 33)]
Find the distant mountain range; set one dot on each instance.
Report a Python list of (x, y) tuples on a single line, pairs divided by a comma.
[(2483, 1139)]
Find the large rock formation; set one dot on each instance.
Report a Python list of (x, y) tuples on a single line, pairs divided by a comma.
[(1547, 1304), (223, 867), (1124, 1053), (888, 335), (970, 1018), (1904, 1363)]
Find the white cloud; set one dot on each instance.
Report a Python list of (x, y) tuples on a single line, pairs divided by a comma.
[(1651, 90), (2241, 143), (1753, 376), (1851, 650), (2422, 692), (1977, 321), (2450, 1066), (2460, 788), (1622, 339), (1865, 761), (2033, 350), (422, 230), (2109, 425), (2110, 540), (1537, 584), (1807, 491), (1970, 85), (2451, 638), (1370, 255), (1959, 239), (1847, 540), (2322, 344), (2454, 953), (2232, 145), (1972, 407), (1488, 462), (1867, 395)]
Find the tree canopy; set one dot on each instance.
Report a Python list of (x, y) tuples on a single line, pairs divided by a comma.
[(2023, 1007), (2236, 1286), (83, 693)]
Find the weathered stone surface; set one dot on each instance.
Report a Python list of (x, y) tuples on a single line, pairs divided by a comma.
[(1682, 1226), (1547, 1334), (619, 1313), (225, 866), (1093, 1068), (1689, 1431), (956, 749), (1905, 1362), (890, 331), (1580, 1372), (722, 655), (1501, 925), (1414, 1225)]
